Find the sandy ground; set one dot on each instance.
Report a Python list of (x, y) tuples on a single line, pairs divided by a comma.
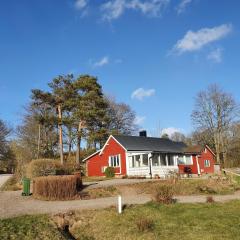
[(4, 178)]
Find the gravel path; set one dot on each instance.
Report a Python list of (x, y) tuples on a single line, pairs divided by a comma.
[(4, 178), (13, 204), (115, 182)]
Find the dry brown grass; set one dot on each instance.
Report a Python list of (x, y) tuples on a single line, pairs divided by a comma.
[(99, 192), (144, 224), (163, 194), (188, 187), (55, 187)]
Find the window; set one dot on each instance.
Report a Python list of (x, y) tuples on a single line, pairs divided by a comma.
[(206, 163), (114, 161), (145, 160), (185, 159), (170, 160), (137, 161), (181, 159), (188, 160), (155, 161), (163, 159)]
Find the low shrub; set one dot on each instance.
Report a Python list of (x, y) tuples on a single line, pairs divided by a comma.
[(109, 172), (209, 199), (164, 194), (55, 187), (44, 167), (144, 224)]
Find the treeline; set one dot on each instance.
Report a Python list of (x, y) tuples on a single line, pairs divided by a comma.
[(74, 118), (77, 109)]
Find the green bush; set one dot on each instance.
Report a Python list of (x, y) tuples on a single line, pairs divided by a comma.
[(44, 167), (109, 172)]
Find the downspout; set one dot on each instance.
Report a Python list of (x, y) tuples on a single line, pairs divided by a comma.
[(198, 167), (150, 165)]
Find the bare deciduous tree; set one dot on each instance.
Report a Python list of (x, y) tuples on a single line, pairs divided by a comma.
[(215, 111), (122, 118)]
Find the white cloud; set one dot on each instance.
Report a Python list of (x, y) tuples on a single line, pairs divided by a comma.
[(182, 6), (80, 4), (141, 93), (170, 131), (115, 8), (215, 55), (193, 41), (139, 120), (103, 61)]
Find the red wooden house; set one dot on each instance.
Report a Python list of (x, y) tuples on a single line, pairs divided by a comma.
[(147, 156)]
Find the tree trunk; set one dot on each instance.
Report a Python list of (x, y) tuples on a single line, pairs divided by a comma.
[(217, 147), (39, 139), (78, 150), (60, 134), (69, 142)]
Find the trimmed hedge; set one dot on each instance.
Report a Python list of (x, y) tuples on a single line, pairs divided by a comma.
[(56, 187), (44, 167), (49, 167)]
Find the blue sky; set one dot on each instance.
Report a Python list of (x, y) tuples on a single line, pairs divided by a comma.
[(154, 55)]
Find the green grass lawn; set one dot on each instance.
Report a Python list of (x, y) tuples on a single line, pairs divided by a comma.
[(170, 222), (37, 227)]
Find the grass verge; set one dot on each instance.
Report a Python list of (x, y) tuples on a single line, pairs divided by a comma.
[(176, 221), (28, 228)]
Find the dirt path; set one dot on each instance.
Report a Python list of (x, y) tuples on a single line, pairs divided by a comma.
[(4, 178), (13, 204)]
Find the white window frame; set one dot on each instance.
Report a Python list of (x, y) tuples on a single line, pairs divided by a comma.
[(208, 161), (185, 160), (112, 162)]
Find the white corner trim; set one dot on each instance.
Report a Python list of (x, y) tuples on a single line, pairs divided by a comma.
[(85, 159), (111, 136), (210, 150)]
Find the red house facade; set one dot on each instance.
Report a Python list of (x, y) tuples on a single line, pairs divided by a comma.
[(149, 157)]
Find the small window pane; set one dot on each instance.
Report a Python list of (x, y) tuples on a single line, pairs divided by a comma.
[(170, 160), (163, 159), (188, 160), (155, 161), (207, 163), (181, 159), (145, 160), (137, 160)]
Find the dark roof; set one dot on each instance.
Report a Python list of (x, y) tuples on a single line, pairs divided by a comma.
[(193, 149), (135, 143)]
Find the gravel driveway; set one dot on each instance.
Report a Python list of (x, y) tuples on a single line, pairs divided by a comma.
[(13, 204), (4, 178)]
